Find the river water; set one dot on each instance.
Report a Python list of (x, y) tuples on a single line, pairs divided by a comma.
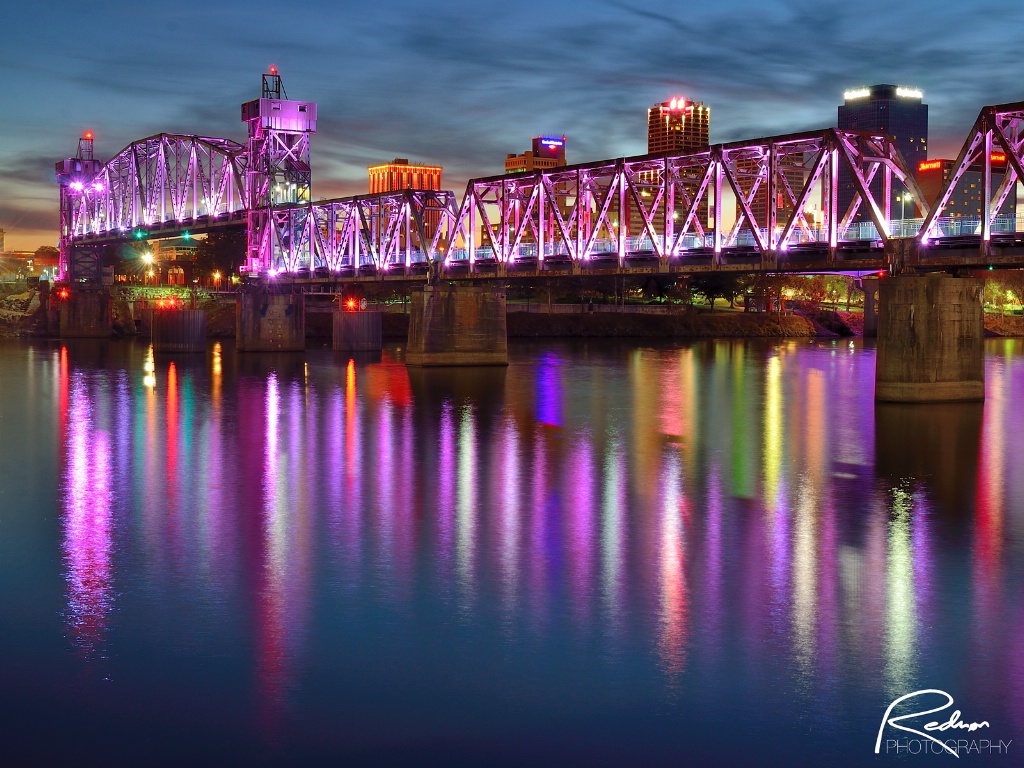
[(709, 553)]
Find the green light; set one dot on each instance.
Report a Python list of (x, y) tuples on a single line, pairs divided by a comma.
[(139, 234), (186, 235)]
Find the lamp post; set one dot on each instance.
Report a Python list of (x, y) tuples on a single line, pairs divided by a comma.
[(904, 197)]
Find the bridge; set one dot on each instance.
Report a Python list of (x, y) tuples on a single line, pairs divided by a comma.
[(804, 202), (769, 204)]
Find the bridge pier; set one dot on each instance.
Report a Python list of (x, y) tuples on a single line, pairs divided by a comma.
[(178, 330), (463, 325), (930, 340), (870, 286), (85, 313), (357, 331), (270, 322)]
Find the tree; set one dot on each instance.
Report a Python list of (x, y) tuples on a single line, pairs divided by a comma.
[(713, 285), (47, 252), (222, 251)]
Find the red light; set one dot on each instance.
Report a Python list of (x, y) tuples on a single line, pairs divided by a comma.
[(929, 165), (63, 293), (997, 157), (88, 135), (273, 69), (351, 304)]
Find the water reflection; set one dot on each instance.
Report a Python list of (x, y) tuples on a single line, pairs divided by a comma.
[(719, 509)]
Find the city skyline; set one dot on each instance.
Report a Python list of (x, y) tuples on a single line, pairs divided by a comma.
[(457, 88)]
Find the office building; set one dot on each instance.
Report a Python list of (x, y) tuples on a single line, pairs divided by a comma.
[(675, 127), (678, 126), (967, 199), (895, 111), (400, 174), (548, 152)]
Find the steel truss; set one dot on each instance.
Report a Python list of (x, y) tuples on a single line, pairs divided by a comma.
[(999, 130), (753, 202), (666, 207), (387, 231), (161, 179)]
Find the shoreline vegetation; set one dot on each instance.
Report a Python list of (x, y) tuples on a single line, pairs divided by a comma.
[(22, 315)]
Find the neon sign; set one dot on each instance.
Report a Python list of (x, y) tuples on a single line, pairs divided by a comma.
[(552, 142), (929, 165), (997, 157)]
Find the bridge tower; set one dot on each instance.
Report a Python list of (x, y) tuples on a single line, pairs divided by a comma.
[(279, 179), (76, 178)]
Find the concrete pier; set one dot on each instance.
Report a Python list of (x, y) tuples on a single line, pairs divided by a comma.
[(268, 322), (870, 285), (357, 331), (462, 325), (84, 313), (179, 330), (930, 340)]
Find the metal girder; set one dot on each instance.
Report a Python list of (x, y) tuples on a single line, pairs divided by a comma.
[(382, 232), (998, 130), (674, 206)]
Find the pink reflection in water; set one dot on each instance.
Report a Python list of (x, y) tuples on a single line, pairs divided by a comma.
[(87, 544), (673, 634)]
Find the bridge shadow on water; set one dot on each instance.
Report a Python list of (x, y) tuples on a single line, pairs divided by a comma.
[(934, 445)]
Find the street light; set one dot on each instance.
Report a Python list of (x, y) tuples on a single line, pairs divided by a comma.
[(904, 198)]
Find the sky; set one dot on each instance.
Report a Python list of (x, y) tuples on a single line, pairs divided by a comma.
[(461, 83)]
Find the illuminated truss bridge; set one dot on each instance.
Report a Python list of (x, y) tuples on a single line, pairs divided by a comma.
[(812, 201)]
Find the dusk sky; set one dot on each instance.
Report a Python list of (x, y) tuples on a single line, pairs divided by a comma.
[(462, 83)]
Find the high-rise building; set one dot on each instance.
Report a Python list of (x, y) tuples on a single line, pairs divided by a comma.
[(896, 111), (548, 152), (677, 126), (399, 175), (967, 200), (674, 127)]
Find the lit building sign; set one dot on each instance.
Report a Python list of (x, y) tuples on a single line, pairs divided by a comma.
[(909, 93), (856, 93), (929, 165), (552, 142), (997, 157)]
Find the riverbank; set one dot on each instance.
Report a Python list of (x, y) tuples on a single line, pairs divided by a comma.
[(21, 315)]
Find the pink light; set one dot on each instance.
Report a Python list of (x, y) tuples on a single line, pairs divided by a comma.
[(77, 186)]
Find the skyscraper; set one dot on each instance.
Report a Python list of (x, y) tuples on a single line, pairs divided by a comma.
[(677, 126), (896, 111)]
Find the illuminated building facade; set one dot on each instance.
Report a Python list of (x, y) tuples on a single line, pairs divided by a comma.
[(674, 127), (678, 126), (967, 200), (896, 111), (400, 174), (548, 152)]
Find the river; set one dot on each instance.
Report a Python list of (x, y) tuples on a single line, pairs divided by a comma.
[(708, 553)]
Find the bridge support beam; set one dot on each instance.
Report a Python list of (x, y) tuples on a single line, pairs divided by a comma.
[(930, 340), (179, 330), (870, 285), (457, 326), (269, 322), (86, 314), (358, 331)]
